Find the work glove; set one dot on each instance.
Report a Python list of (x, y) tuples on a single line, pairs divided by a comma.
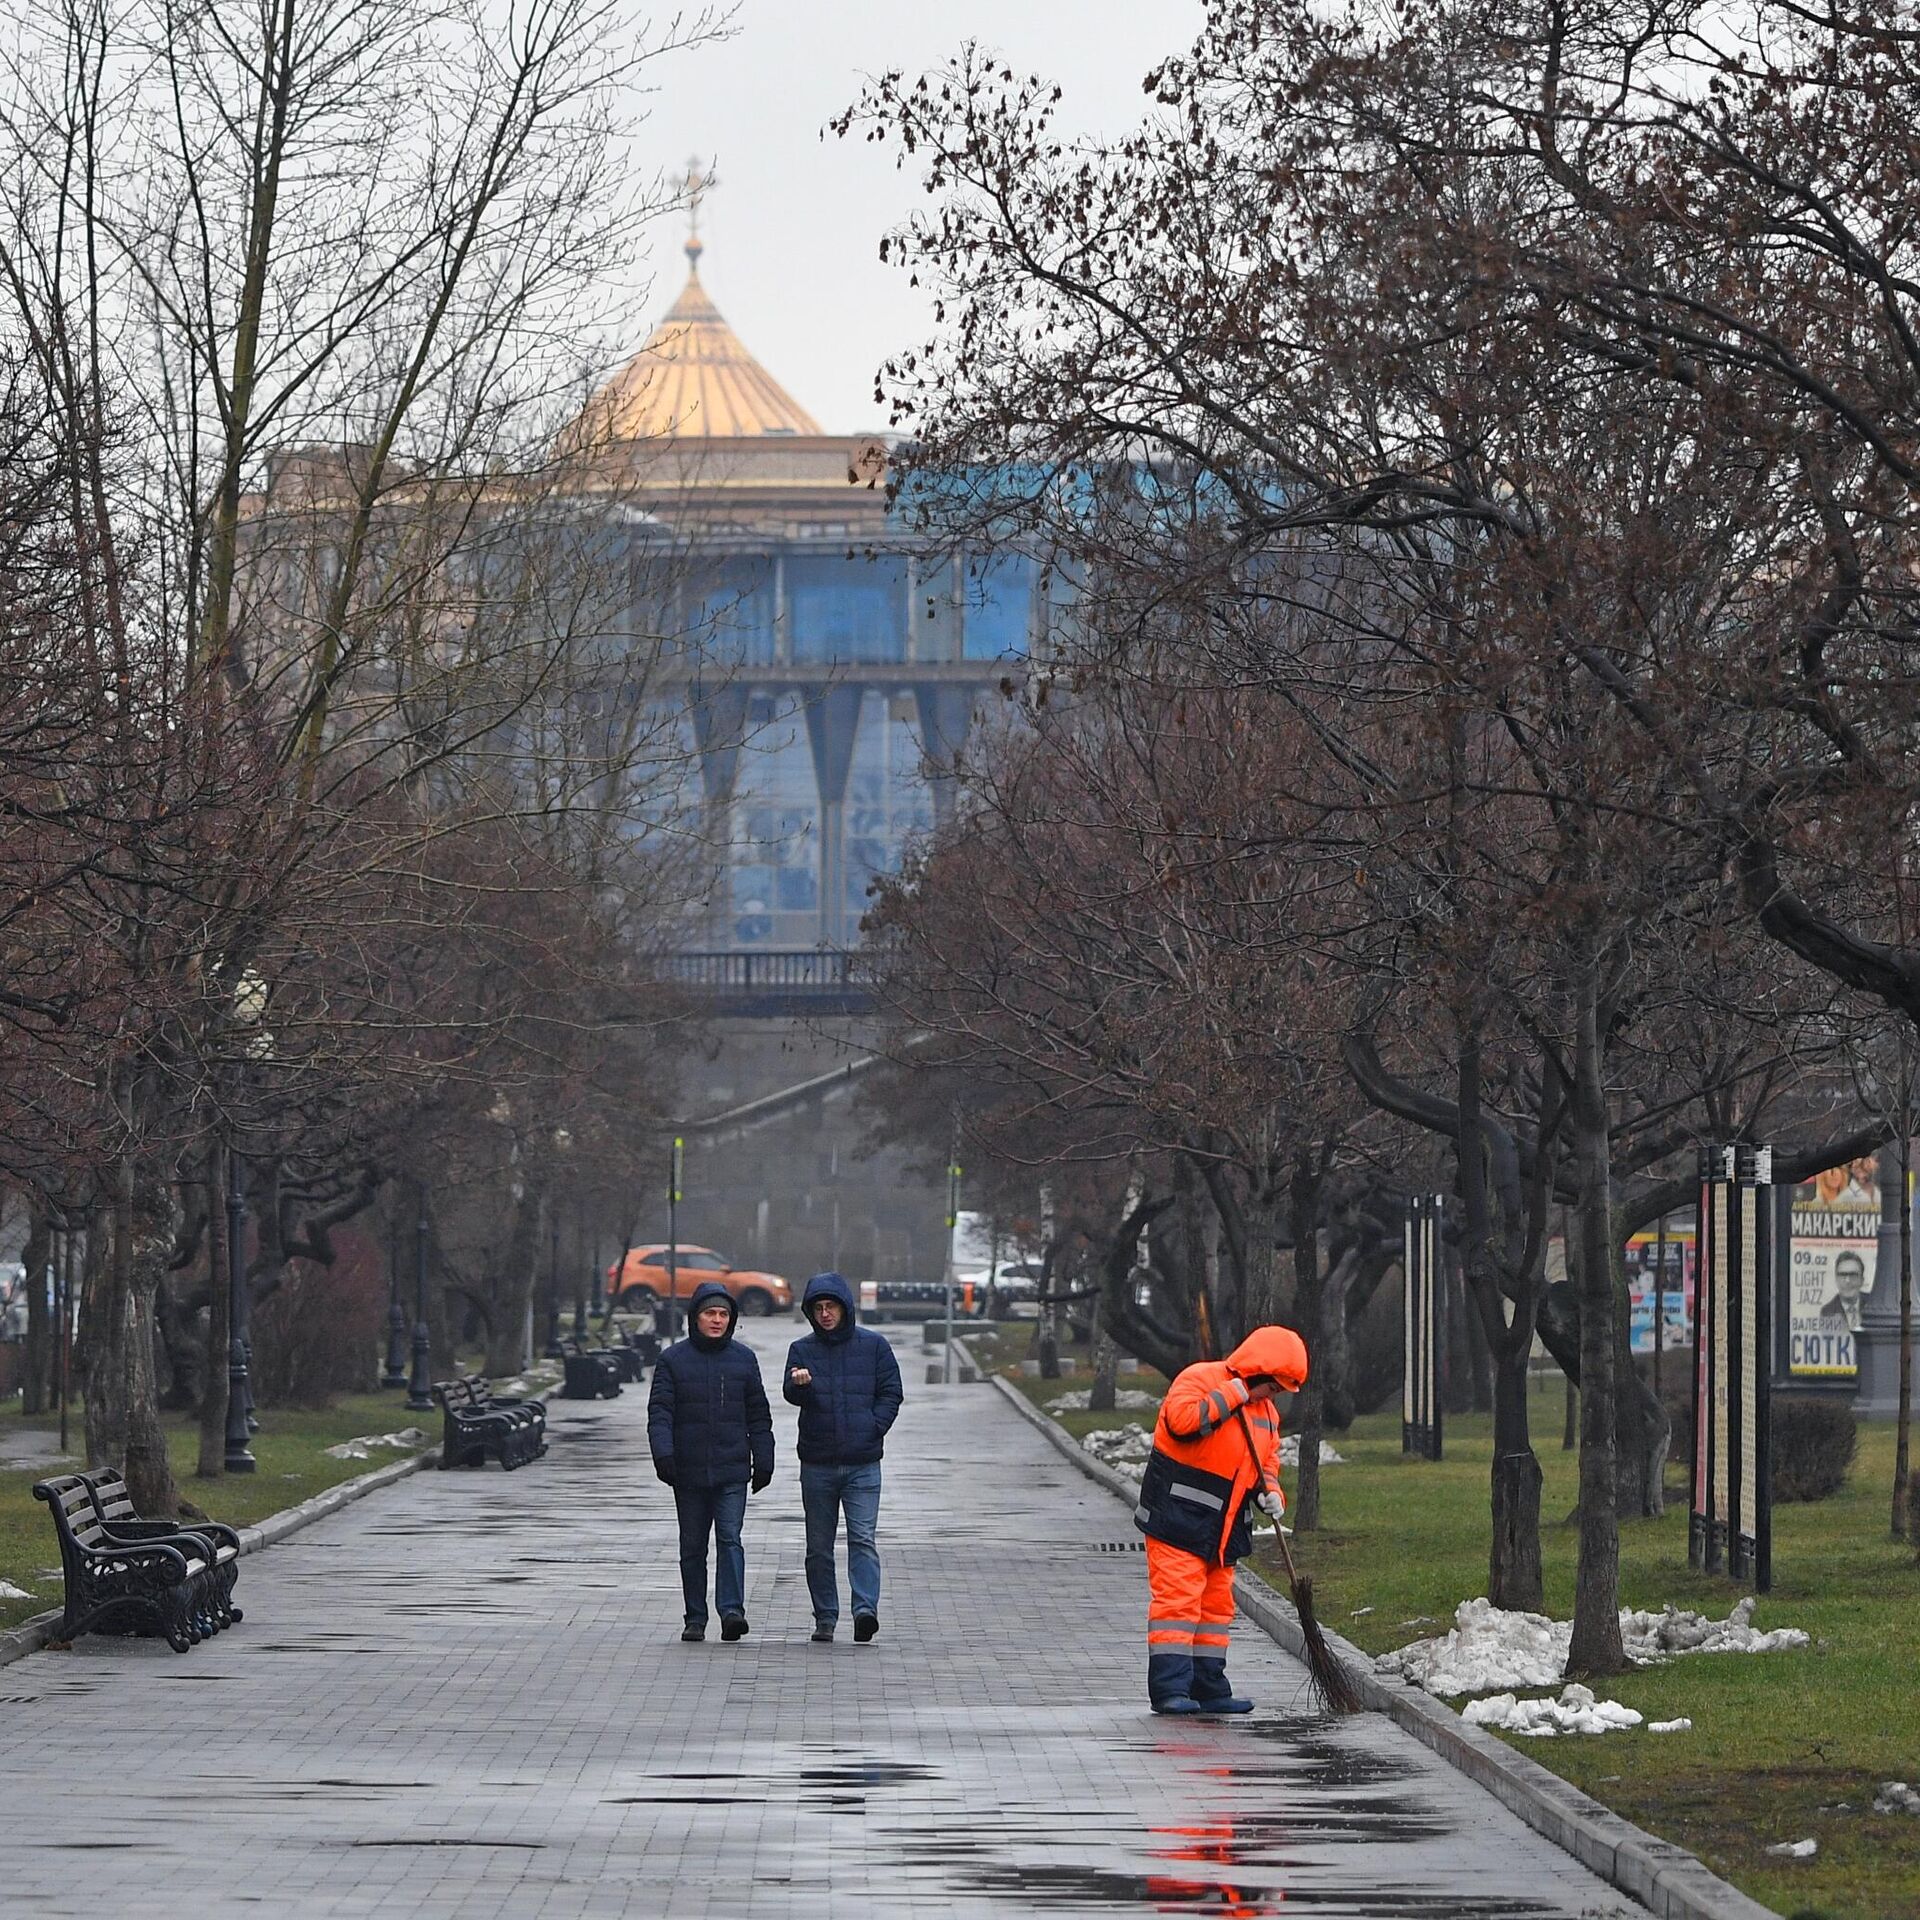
[(761, 1481), (663, 1466), (1273, 1503)]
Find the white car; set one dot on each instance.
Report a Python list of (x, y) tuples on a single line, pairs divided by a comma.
[(1017, 1283)]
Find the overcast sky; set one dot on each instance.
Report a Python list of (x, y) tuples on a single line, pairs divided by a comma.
[(793, 225)]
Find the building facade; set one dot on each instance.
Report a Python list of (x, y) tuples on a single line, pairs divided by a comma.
[(833, 660)]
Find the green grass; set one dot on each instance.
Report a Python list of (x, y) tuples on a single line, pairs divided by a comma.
[(1779, 1741)]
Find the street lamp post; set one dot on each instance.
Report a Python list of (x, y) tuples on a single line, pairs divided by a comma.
[(673, 1239), (419, 1387), (396, 1373), (239, 1459)]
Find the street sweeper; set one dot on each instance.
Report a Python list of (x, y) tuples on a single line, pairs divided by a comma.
[(1216, 1457)]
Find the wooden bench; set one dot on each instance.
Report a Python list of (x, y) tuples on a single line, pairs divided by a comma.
[(592, 1373), (220, 1543), (163, 1584), (478, 1427)]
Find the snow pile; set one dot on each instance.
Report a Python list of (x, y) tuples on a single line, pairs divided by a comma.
[(1576, 1711), (1125, 1447), (1669, 1726), (1652, 1636), (362, 1448), (1126, 1400), (8, 1591), (1795, 1849), (1490, 1648), (1895, 1796), (1290, 1452)]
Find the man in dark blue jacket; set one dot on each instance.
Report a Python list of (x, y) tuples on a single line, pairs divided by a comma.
[(846, 1383), (710, 1430)]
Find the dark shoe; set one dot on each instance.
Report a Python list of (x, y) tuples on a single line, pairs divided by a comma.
[(733, 1626), (1178, 1703), (1211, 1687), (691, 1632), (823, 1630), (865, 1626)]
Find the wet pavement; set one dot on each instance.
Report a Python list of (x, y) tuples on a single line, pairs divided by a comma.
[(467, 1696)]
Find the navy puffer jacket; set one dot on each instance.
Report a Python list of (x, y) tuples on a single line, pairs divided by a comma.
[(851, 1401), (708, 1422)]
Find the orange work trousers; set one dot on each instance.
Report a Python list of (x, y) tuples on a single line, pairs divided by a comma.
[(1190, 1603)]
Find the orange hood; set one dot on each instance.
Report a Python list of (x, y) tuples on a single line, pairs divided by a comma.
[(1277, 1351)]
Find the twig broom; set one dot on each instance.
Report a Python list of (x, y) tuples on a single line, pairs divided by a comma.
[(1333, 1688)]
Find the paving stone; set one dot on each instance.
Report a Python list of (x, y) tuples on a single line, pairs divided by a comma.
[(467, 1697)]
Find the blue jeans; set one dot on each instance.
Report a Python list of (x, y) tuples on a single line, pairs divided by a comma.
[(720, 1511), (826, 1492)]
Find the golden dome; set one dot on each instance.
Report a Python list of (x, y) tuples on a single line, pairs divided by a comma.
[(694, 380)]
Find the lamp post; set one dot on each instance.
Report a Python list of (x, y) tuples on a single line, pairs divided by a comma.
[(673, 1239), (238, 1458), (593, 1278), (396, 1373), (419, 1387)]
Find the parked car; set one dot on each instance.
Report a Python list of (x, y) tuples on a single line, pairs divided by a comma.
[(1013, 1287), (643, 1283)]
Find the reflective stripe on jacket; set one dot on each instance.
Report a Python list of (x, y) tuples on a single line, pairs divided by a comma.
[(1202, 1475)]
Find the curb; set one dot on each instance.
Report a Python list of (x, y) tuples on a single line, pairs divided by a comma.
[(1661, 1876), (34, 1632)]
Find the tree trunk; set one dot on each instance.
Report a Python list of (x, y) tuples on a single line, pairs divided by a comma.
[(1048, 1346), (1513, 1567), (1335, 1359), (512, 1288), (1106, 1363), (213, 1387), (37, 1355), (1570, 1426), (1259, 1289), (1479, 1354), (1595, 1649), (109, 1310), (1305, 1203), (1903, 1431)]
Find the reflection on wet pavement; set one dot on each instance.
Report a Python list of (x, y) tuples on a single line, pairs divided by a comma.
[(467, 1697)]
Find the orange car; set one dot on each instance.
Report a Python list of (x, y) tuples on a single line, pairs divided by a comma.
[(642, 1282)]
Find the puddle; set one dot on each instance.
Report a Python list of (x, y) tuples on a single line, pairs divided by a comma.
[(516, 1846)]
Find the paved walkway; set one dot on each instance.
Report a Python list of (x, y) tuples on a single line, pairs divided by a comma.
[(466, 1696)]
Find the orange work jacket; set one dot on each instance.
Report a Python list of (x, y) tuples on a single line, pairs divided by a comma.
[(1202, 1474)]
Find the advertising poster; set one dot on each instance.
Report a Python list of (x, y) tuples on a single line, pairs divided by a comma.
[(1836, 1226), (1676, 1296)]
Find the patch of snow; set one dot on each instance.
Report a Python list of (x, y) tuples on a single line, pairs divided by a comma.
[(1290, 1452), (1576, 1711), (1125, 1447), (510, 1387), (1669, 1726), (1127, 1400), (1359, 1613), (1490, 1648), (362, 1447), (8, 1591), (1795, 1849), (1895, 1796)]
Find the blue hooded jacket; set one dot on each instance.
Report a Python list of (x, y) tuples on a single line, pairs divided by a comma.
[(854, 1394), (708, 1422)]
